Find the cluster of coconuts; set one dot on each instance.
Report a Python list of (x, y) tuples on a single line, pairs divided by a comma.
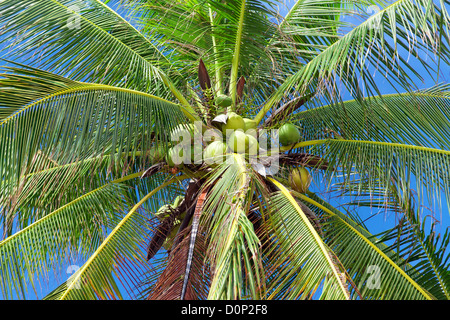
[(232, 138), (237, 141), (236, 126)]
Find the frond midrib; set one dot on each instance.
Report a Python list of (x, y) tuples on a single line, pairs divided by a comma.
[(384, 96), (43, 219), (84, 87), (379, 143), (317, 238), (381, 253)]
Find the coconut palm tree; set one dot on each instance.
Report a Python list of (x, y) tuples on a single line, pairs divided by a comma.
[(93, 93)]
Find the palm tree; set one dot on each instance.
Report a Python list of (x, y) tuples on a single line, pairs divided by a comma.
[(93, 90)]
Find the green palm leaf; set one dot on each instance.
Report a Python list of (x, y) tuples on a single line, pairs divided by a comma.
[(233, 244), (417, 118), (207, 29), (307, 260), (91, 95), (372, 267), (375, 163), (365, 46), (81, 224), (414, 242), (99, 119), (68, 129), (99, 269)]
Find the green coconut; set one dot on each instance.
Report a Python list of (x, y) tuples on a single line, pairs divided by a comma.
[(253, 145), (249, 124), (176, 156), (215, 152), (184, 131), (238, 141), (300, 179), (223, 101), (156, 154), (288, 134), (234, 122), (211, 135)]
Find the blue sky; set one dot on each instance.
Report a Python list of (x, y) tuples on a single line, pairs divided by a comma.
[(381, 220)]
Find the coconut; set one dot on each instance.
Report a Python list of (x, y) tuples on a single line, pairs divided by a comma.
[(211, 134), (215, 152), (184, 133), (234, 122), (223, 101), (253, 145), (177, 155), (249, 124), (156, 154), (288, 134), (300, 179), (238, 141)]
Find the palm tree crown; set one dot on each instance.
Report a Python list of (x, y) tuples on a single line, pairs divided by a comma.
[(170, 146)]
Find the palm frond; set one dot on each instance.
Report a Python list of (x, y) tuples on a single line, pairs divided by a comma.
[(303, 259), (414, 241), (207, 29), (369, 263), (45, 190), (95, 279), (172, 282), (92, 42), (233, 247), (80, 122), (375, 163), (366, 49), (306, 30), (416, 118), (81, 225)]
